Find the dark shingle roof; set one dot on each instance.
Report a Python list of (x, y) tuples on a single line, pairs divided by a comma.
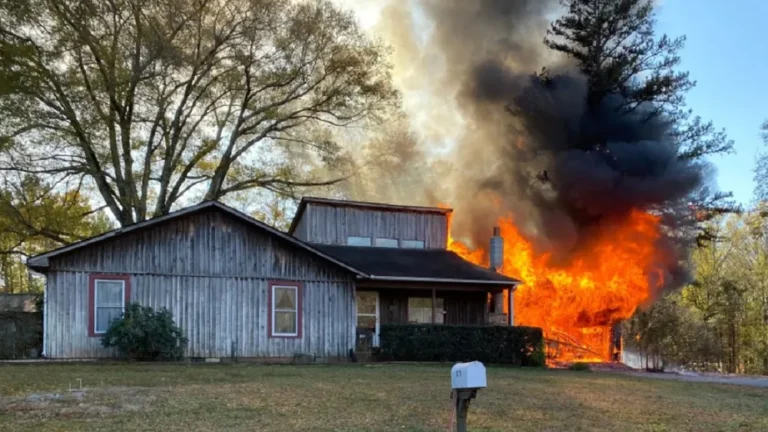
[(414, 264)]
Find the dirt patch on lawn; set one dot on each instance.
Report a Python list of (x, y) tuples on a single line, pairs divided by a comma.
[(85, 402)]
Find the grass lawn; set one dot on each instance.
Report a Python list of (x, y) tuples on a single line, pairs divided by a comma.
[(360, 398)]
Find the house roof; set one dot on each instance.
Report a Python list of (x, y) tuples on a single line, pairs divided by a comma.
[(414, 265), (362, 205), (374, 263), (40, 262)]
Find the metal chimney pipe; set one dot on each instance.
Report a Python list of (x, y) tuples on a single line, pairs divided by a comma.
[(497, 263), (497, 250)]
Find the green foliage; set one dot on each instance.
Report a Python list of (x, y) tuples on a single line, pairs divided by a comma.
[(670, 332), (614, 45), (518, 346), (761, 168), (36, 216), (151, 101), (143, 334), (719, 322)]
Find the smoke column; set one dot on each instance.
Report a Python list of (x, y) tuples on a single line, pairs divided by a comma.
[(523, 144)]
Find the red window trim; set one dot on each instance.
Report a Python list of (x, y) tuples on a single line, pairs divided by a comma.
[(92, 298), (299, 311)]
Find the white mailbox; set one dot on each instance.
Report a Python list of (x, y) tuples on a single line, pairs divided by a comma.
[(468, 375)]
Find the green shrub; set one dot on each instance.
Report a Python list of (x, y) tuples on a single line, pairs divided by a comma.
[(519, 346), (579, 366), (143, 334)]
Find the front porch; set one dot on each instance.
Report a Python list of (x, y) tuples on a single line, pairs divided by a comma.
[(426, 304)]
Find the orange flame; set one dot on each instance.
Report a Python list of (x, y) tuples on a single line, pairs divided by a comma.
[(577, 303)]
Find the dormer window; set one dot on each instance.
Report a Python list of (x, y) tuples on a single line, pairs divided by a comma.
[(386, 242), (412, 244), (358, 241)]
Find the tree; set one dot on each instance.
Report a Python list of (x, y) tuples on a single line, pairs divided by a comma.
[(614, 45), (671, 333), (394, 168), (633, 73), (747, 300), (154, 101), (275, 211), (613, 42), (761, 168), (720, 320), (729, 294), (36, 217)]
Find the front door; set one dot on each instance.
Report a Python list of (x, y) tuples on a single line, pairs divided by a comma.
[(367, 320)]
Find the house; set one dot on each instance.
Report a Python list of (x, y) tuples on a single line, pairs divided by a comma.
[(241, 288)]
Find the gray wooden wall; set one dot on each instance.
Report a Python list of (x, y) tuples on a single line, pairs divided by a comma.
[(211, 270), (333, 224), (461, 307)]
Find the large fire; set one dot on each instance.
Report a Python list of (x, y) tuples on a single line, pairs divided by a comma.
[(578, 303)]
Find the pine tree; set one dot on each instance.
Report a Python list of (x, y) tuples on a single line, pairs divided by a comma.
[(614, 44)]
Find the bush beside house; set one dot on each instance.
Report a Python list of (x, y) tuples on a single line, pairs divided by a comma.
[(518, 346), (145, 334)]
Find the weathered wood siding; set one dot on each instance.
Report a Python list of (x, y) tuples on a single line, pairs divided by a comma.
[(301, 231), (468, 307), (211, 270), (333, 224)]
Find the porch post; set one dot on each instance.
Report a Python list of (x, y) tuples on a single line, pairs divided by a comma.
[(434, 303), (511, 300)]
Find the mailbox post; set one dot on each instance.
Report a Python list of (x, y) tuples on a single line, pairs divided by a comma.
[(466, 380)]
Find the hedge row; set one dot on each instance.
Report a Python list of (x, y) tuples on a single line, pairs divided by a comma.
[(518, 346)]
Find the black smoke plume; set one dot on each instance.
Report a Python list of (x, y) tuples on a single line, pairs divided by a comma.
[(531, 146)]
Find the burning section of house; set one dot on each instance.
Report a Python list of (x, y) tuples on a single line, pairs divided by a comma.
[(589, 193), (579, 303)]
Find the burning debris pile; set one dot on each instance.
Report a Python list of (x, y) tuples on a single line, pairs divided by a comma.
[(585, 197)]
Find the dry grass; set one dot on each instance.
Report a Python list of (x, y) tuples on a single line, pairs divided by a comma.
[(361, 398)]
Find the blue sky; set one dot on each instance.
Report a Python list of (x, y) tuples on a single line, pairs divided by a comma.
[(726, 54)]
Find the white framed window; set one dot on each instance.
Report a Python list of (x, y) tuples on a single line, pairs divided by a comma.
[(358, 241), (108, 303), (386, 242), (420, 310), (412, 244), (284, 308)]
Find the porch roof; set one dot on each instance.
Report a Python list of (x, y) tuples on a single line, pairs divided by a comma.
[(417, 265)]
